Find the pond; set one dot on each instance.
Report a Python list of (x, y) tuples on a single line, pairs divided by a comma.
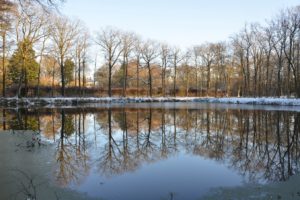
[(152, 151)]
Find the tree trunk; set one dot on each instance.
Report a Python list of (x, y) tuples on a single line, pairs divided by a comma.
[(83, 78), (52, 91), (62, 71), (79, 75), (208, 80), (149, 79), (3, 64), (137, 76), (109, 80), (187, 84), (125, 75), (174, 82)]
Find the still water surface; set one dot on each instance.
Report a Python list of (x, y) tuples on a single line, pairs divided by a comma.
[(163, 151)]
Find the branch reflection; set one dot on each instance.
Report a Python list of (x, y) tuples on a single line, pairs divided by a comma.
[(260, 145)]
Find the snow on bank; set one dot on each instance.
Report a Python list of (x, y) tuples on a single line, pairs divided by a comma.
[(74, 101)]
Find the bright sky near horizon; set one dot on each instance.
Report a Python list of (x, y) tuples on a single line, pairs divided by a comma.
[(178, 22)]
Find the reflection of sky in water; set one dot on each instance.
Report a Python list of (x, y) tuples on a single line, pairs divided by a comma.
[(212, 148), (187, 176)]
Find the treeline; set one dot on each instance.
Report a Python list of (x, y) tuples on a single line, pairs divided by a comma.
[(42, 50)]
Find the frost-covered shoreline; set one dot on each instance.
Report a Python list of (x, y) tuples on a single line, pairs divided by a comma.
[(75, 101)]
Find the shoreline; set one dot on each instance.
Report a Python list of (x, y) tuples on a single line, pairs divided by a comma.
[(76, 101)]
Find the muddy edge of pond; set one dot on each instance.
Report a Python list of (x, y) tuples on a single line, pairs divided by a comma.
[(26, 168)]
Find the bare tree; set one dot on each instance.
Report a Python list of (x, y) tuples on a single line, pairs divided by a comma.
[(207, 57), (6, 6), (45, 4), (187, 69), (291, 28), (5, 27), (81, 51), (63, 34), (149, 54), (50, 70), (164, 56), (196, 58), (221, 75), (128, 40), (176, 58), (109, 41), (137, 54), (45, 32)]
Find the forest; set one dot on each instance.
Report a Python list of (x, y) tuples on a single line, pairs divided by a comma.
[(45, 54)]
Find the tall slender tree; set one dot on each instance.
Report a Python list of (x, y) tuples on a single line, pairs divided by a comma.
[(109, 41), (63, 35), (149, 54)]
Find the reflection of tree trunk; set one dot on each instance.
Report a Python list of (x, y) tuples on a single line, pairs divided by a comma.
[(208, 126), (247, 124), (296, 136), (175, 131), (4, 119), (95, 132), (76, 131), (62, 130), (26, 119), (61, 151), (20, 121), (39, 122), (163, 132), (83, 141), (287, 124), (109, 134), (137, 129), (149, 126), (79, 128), (53, 125), (125, 133), (267, 139), (254, 127), (279, 145), (83, 129)]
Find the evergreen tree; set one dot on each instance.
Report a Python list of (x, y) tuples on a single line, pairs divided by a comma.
[(69, 71), (22, 65)]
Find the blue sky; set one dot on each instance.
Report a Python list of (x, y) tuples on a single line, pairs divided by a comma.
[(178, 22)]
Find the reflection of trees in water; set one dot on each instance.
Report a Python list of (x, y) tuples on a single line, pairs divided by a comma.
[(264, 149), (261, 145), (21, 121), (71, 155)]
